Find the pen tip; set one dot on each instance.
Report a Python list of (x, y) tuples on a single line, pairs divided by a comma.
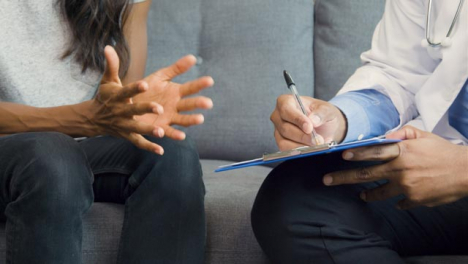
[(288, 79)]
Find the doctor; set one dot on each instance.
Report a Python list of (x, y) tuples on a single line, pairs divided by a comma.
[(375, 204)]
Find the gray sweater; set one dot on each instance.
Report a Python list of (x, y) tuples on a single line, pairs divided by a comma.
[(33, 36)]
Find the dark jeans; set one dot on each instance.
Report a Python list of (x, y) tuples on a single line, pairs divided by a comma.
[(46, 186), (297, 219)]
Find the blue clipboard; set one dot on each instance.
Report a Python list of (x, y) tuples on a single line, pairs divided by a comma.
[(305, 151)]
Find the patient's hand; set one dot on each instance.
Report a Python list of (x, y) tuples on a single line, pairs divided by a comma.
[(146, 107), (173, 97), (293, 129)]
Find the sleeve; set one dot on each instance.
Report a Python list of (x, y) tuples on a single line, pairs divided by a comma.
[(397, 65), (369, 113)]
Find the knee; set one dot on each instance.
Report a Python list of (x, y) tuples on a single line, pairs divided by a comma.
[(288, 206), (47, 148), (178, 170), (53, 169)]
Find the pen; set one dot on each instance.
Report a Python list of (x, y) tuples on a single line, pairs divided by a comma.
[(292, 87)]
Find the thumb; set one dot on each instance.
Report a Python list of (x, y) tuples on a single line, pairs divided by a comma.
[(407, 132), (111, 73)]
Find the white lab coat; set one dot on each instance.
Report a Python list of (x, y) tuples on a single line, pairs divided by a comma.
[(422, 82)]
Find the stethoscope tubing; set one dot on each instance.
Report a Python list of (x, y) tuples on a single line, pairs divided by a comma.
[(428, 23)]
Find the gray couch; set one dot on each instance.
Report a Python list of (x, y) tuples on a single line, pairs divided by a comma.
[(244, 45)]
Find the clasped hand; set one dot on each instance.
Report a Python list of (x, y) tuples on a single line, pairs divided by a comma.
[(149, 106), (427, 169)]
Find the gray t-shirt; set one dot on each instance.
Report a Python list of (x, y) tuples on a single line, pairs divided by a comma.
[(33, 38)]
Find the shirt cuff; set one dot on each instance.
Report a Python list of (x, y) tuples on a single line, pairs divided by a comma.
[(356, 117)]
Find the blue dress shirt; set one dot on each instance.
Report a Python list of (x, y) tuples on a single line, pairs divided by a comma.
[(369, 113)]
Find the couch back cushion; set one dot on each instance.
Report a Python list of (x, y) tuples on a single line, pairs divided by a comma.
[(244, 45), (343, 30)]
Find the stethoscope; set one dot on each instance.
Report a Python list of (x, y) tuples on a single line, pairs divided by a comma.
[(447, 41)]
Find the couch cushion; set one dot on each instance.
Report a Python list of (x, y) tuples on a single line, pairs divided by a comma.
[(229, 199), (343, 30), (245, 45)]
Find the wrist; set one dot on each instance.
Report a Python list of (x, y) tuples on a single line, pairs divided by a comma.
[(342, 130), (68, 119), (82, 119)]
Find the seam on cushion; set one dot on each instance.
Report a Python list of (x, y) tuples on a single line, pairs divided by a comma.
[(325, 246)]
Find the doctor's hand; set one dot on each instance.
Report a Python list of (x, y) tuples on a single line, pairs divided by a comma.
[(426, 168), (293, 129)]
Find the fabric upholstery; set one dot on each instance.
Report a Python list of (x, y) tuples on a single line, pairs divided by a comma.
[(343, 30)]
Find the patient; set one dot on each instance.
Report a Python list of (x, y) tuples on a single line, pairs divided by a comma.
[(73, 69), (375, 204)]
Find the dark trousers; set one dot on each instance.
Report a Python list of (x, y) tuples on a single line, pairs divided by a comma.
[(46, 186), (297, 219)]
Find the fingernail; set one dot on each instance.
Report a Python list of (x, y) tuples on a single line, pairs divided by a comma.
[(306, 127), (316, 119), (143, 87), (159, 109), (363, 196), (158, 132), (327, 180), (348, 155)]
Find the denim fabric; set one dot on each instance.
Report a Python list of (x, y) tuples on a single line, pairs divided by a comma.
[(297, 219), (46, 186)]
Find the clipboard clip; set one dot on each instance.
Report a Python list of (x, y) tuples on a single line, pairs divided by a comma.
[(297, 151)]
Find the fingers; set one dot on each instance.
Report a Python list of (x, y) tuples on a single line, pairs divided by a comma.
[(285, 144), (141, 142), (132, 90), (179, 67), (111, 73), (129, 110), (407, 132), (188, 120), (195, 86), (133, 126), (360, 175), (189, 104), (374, 153), (381, 193), (290, 131), (287, 111), (174, 133), (321, 113)]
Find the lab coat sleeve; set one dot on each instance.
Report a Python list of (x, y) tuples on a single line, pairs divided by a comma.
[(397, 65)]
